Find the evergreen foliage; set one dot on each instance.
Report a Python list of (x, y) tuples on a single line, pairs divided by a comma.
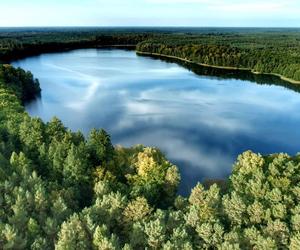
[(60, 190)]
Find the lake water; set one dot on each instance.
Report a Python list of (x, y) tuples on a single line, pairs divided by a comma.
[(201, 122)]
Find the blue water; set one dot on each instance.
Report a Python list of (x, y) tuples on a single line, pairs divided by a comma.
[(200, 122)]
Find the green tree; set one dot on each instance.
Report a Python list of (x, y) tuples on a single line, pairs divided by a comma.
[(74, 235)]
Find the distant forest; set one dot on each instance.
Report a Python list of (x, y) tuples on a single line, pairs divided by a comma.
[(60, 190), (275, 51)]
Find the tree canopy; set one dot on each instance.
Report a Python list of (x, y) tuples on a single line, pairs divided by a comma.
[(60, 190), (275, 51)]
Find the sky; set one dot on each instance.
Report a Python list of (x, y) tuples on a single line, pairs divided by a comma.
[(199, 13)]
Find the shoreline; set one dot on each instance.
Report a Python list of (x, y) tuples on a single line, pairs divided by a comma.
[(217, 67), (29, 52)]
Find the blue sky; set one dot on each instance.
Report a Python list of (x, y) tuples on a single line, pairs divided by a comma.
[(253, 13)]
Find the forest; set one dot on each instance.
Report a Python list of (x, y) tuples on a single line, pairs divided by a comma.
[(269, 51), (15, 43), (60, 190)]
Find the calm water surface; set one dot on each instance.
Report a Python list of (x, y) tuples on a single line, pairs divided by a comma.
[(200, 122)]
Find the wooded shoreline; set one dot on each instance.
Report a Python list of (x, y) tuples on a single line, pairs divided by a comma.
[(60, 190), (274, 52), (157, 55)]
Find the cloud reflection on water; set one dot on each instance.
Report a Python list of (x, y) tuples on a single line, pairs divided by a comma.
[(202, 123)]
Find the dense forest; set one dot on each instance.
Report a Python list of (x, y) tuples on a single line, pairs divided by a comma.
[(16, 44), (60, 190), (275, 51)]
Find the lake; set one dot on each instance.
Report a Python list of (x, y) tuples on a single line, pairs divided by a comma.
[(200, 121)]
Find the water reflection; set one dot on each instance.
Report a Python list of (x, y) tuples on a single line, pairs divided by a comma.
[(202, 122), (219, 73)]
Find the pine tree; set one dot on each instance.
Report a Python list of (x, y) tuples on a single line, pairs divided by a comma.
[(73, 235)]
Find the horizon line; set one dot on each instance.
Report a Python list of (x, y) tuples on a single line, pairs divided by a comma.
[(152, 26)]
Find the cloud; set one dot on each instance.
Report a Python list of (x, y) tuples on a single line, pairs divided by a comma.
[(180, 1), (150, 12), (253, 7), (232, 6)]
